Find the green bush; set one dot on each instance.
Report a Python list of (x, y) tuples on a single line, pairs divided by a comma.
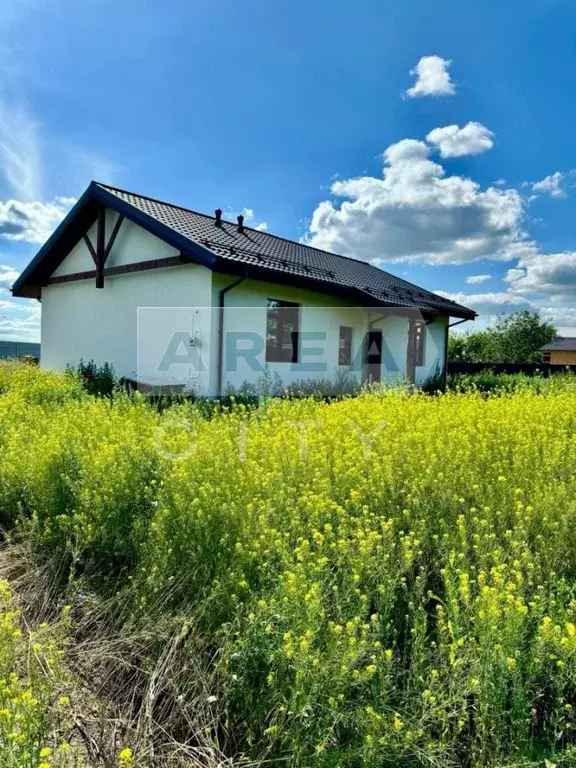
[(97, 380)]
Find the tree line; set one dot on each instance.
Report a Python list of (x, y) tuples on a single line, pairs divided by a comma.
[(511, 338)]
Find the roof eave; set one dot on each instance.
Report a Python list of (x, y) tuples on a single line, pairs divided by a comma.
[(83, 214), (462, 313), (27, 286), (20, 286), (454, 310)]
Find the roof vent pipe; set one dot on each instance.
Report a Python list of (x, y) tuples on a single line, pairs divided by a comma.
[(218, 213), (241, 224)]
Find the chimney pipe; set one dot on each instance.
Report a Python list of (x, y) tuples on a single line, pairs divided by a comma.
[(218, 213), (241, 224)]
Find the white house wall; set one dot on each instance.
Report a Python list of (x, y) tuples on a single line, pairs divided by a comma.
[(80, 321), (395, 349), (394, 345), (434, 351), (78, 260), (245, 307)]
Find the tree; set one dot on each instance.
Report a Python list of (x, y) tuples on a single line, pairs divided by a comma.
[(468, 347), (512, 338), (519, 336)]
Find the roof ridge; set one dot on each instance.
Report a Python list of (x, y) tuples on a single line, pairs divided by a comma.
[(277, 237), (157, 200)]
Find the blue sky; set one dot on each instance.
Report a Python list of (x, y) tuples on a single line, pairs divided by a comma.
[(303, 112)]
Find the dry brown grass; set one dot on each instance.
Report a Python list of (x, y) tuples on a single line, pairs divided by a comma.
[(141, 682)]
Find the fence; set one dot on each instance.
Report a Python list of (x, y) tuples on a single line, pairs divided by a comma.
[(18, 349), (530, 369)]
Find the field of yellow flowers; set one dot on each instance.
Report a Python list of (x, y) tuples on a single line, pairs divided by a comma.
[(388, 580)]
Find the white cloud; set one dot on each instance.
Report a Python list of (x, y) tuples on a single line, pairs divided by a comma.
[(8, 275), (552, 274), (249, 218), (490, 303), (453, 141), (248, 213), (417, 213), (33, 222), (20, 322), (432, 78), (475, 279), (551, 185), (24, 216), (513, 274), (19, 150), (561, 317)]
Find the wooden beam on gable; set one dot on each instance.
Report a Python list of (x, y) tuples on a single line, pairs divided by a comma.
[(100, 247), (124, 269), (113, 236), (90, 248), (102, 251)]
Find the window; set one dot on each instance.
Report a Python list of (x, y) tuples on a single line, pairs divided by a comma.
[(282, 321), (345, 346), (545, 357), (419, 339)]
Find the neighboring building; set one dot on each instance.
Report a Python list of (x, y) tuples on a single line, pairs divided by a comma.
[(19, 349), (561, 351), (160, 291)]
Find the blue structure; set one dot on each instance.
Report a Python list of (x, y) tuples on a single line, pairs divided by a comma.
[(18, 349)]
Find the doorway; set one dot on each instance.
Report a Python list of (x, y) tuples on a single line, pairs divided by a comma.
[(373, 357)]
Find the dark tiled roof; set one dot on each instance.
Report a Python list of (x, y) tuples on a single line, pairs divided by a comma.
[(252, 249), (269, 251), (560, 345)]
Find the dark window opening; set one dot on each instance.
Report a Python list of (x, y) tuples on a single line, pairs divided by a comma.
[(546, 357), (282, 323), (345, 346)]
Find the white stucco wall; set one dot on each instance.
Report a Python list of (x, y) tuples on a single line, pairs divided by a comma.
[(320, 314), (434, 350), (394, 345), (395, 348), (80, 321)]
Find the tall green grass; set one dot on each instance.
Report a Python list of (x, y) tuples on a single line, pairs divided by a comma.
[(490, 382)]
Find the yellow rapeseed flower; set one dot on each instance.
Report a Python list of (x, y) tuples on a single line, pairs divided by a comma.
[(126, 757)]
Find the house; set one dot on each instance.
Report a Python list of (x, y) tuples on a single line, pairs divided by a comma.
[(561, 351), (164, 293)]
